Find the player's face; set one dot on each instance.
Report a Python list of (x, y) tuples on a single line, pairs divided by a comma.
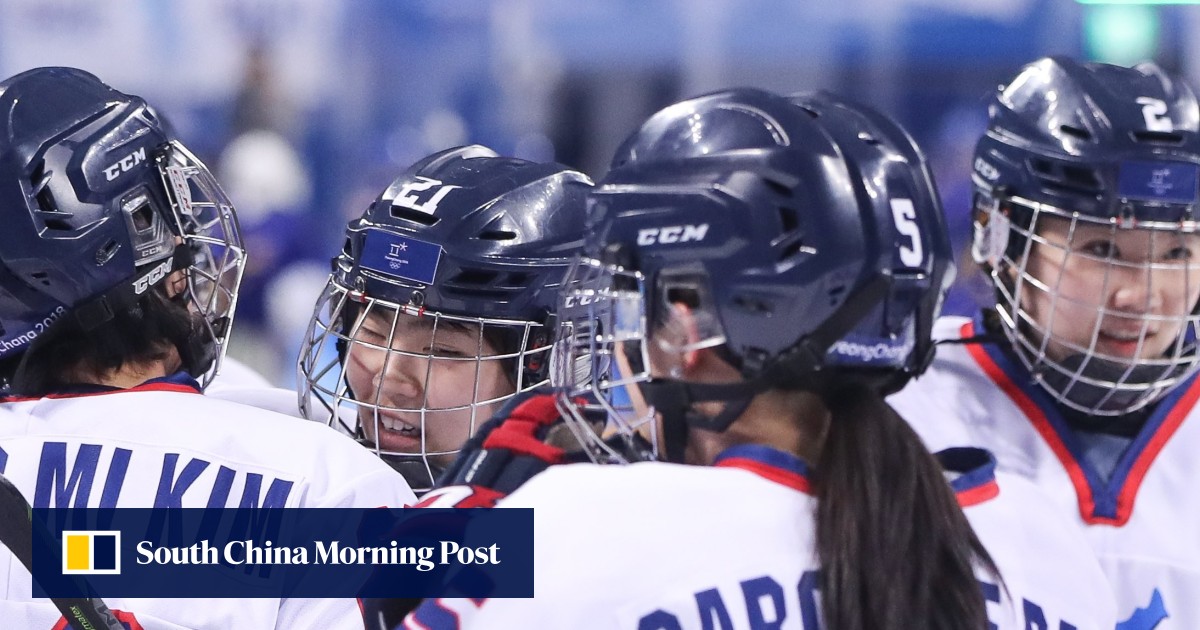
[(431, 386), (1120, 294)]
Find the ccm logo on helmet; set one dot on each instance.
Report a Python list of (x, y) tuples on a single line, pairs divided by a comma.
[(988, 171), (672, 234), (126, 163), (145, 282)]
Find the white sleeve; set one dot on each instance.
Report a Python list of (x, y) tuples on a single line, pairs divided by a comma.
[(335, 614)]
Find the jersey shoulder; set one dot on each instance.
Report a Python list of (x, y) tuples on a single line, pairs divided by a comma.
[(1043, 556), (945, 404), (646, 485), (234, 374), (274, 399)]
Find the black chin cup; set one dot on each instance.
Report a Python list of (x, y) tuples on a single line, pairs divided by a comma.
[(411, 467), (1124, 388)]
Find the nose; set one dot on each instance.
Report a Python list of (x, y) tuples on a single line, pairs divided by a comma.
[(1138, 291), (401, 378)]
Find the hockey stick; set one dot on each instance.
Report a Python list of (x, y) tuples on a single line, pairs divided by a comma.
[(17, 530)]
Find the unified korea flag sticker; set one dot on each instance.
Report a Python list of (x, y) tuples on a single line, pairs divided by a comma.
[(401, 256)]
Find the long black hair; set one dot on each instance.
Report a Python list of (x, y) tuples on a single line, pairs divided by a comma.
[(895, 548)]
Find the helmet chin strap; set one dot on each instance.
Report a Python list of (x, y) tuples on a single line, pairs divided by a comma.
[(674, 400), (198, 349), (798, 368)]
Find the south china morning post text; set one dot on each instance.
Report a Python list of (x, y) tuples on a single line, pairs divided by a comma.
[(278, 552), (250, 552)]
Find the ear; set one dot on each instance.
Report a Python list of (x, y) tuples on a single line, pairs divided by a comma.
[(685, 328)]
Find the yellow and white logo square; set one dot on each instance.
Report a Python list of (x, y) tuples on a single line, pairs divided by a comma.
[(91, 552)]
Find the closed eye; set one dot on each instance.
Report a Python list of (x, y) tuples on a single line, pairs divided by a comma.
[(1101, 249), (1179, 253), (446, 352), (367, 335)]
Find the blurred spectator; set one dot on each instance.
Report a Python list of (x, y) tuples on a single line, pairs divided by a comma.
[(265, 178), (950, 158)]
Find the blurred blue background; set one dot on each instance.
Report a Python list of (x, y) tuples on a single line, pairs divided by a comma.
[(308, 108)]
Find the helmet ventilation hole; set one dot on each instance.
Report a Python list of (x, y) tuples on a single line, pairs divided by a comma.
[(39, 182), (787, 219), (413, 215), (1075, 132), (1157, 137), (497, 235), (106, 253)]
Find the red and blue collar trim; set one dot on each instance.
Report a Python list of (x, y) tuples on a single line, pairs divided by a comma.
[(975, 467), (1100, 502), (769, 463), (181, 382), (975, 474)]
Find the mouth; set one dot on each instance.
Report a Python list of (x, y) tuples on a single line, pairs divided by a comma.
[(394, 434), (1124, 343)]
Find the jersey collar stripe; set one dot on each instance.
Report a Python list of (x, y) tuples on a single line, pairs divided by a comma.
[(1150, 443), (1108, 503), (978, 494), (769, 463), (156, 385), (1036, 416), (144, 387), (976, 474)]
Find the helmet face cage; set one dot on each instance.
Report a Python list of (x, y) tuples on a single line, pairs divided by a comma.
[(1082, 301), (409, 382), (206, 223), (607, 327)]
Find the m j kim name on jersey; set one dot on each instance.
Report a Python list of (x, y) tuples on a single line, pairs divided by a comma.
[(92, 475)]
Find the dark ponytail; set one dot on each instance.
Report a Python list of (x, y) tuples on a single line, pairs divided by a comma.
[(895, 549)]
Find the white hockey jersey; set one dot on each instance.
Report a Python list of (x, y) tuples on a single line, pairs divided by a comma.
[(235, 374), (974, 395), (162, 444), (275, 399), (656, 545)]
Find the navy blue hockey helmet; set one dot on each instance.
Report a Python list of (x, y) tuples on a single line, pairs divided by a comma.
[(1093, 152), (804, 233), (99, 204), (463, 239)]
